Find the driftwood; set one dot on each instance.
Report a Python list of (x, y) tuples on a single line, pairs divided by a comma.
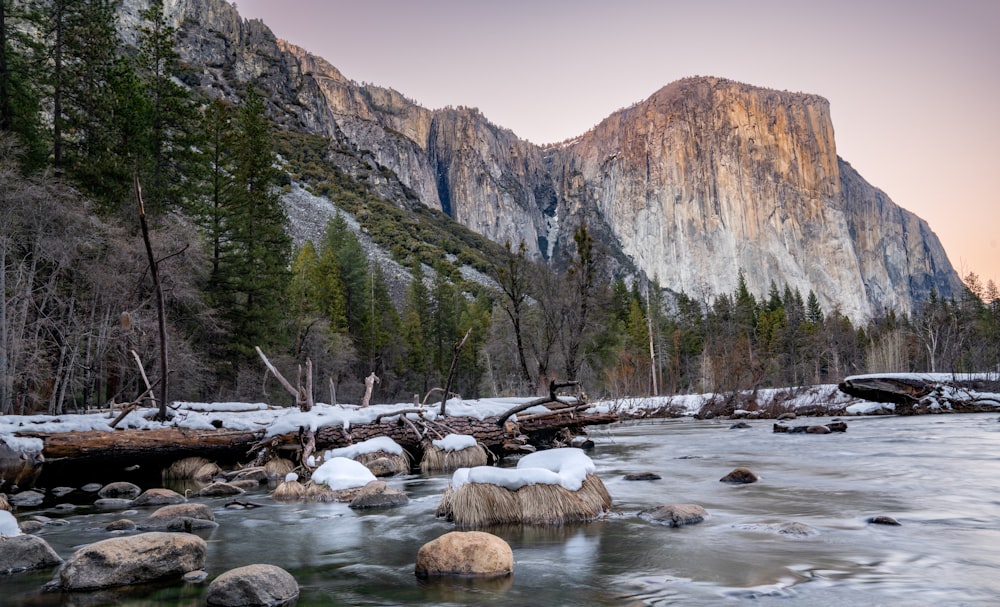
[(932, 393)]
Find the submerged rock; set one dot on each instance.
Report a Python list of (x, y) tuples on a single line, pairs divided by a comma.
[(740, 476), (465, 553), (642, 476), (675, 515), (883, 520), (251, 586), (377, 494), (26, 499), (180, 517), (120, 489)]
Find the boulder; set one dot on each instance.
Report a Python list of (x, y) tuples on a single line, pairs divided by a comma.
[(465, 553), (91, 487), (256, 473), (180, 517), (113, 503), (128, 560), (120, 490), (61, 491), (252, 585), (377, 494), (740, 426), (26, 499), (24, 552), (883, 520), (31, 526), (122, 524), (817, 430), (159, 497), (675, 515), (219, 489), (740, 476)]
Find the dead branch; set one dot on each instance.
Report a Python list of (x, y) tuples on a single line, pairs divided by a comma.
[(553, 397), (370, 382), (451, 370), (161, 316), (303, 398)]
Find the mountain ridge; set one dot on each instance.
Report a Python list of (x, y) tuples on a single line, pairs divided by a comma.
[(703, 178)]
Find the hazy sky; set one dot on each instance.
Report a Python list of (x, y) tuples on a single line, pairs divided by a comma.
[(914, 85)]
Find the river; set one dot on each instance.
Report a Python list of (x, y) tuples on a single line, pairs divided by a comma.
[(938, 476)]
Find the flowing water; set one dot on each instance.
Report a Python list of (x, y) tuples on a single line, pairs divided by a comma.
[(937, 475)]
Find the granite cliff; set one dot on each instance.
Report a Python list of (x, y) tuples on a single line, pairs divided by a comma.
[(703, 178)]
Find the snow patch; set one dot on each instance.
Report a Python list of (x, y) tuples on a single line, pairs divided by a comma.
[(342, 473), (372, 445), (455, 442), (8, 525), (568, 467)]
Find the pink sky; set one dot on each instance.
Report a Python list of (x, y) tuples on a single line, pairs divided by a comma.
[(913, 85)]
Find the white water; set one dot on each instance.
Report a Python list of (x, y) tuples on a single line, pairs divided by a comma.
[(937, 475)]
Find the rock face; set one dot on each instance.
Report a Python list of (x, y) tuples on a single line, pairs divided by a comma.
[(136, 559), (703, 178), (466, 553)]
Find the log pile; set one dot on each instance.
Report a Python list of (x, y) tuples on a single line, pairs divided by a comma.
[(158, 448)]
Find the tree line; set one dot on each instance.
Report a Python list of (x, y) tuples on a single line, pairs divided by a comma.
[(83, 117)]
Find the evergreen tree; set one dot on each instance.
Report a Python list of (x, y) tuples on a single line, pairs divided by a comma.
[(415, 319), (814, 313), (169, 161), (19, 77), (256, 246)]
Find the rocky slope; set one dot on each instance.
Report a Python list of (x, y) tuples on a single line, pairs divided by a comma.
[(705, 177)]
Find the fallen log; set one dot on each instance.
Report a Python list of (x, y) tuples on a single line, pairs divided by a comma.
[(158, 448), (928, 392)]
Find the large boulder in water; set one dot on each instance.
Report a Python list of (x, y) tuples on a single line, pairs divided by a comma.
[(135, 559), (253, 585), (466, 553), (24, 552)]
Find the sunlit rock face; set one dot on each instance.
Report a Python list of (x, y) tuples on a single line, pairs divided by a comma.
[(708, 176), (702, 179)]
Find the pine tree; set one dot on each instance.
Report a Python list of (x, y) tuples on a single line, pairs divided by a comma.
[(169, 161), (254, 264), (19, 78), (415, 319)]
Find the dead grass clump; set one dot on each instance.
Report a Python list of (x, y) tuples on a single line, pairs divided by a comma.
[(289, 491), (383, 463), (185, 469), (436, 459), (279, 467), (484, 504)]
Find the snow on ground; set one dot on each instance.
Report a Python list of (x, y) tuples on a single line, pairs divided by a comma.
[(455, 442), (372, 445), (242, 417), (567, 466), (284, 420)]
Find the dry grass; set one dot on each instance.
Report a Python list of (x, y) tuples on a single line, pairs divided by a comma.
[(394, 464), (4, 504), (279, 467), (289, 491), (481, 504), (436, 459), (191, 468)]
